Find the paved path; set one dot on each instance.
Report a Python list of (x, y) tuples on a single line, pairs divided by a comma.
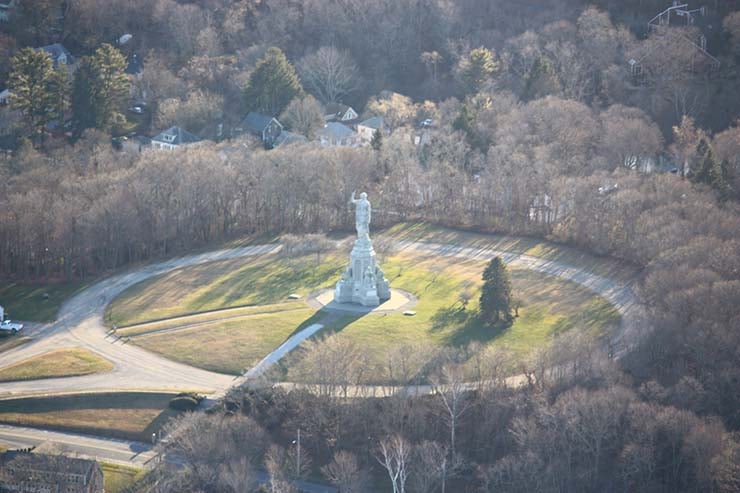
[(80, 324)]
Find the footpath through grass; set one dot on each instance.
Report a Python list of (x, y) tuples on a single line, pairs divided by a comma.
[(60, 363), (127, 415), (30, 302)]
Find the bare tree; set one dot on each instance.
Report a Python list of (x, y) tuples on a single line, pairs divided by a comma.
[(344, 472), (449, 386), (394, 454), (304, 116), (329, 73), (433, 465)]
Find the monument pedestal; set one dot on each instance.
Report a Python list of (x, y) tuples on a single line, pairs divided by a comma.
[(363, 282)]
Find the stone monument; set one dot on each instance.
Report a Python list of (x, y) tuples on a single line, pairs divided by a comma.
[(363, 282)]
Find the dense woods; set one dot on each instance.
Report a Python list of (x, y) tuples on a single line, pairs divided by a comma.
[(541, 128)]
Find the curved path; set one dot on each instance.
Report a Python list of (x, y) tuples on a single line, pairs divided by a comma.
[(80, 324)]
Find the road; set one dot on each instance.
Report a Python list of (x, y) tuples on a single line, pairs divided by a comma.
[(80, 324)]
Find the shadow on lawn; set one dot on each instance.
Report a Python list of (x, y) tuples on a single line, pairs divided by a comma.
[(467, 326)]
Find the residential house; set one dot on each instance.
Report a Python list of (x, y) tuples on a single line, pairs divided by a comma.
[(338, 112), (367, 128), (4, 97), (172, 138), (267, 128), (59, 55), (135, 66), (6, 7), (337, 134), (23, 471), (288, 138)]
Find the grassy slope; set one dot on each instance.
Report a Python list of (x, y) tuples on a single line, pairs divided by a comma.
[(59, 363), (26, 301), (550, 306), (128, 415), (229, 283), (8, 342), (600, 265), (119, 478)]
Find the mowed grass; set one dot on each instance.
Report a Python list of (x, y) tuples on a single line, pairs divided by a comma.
[(27, 301), (535, 247), (60, 363), (228, 346), (549, 306), (118, 478), (217, 285), (127, 415)]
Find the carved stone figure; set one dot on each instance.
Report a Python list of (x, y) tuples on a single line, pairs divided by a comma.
[(362, 282)]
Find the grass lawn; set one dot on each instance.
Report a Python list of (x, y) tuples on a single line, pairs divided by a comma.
[(550, 306), (228, 346), (216, 285), (119, 478), (231, 340), (60, 363), (600, 265), (127, 415), (27, 302)]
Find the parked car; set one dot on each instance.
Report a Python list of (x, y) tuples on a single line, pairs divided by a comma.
[(139, 110), (10, 326)]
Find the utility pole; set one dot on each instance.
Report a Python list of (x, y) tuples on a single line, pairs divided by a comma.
[(298, 455)]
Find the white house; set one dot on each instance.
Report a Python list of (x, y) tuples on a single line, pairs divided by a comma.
[(60, 55), (338, 112), (5, 97), (172, 138), (367, 128)]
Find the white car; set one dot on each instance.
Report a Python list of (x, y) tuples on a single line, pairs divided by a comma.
[(10, 326)]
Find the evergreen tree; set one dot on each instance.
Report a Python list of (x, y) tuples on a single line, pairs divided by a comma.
[(496, 297), (100, 89), (709, 171), (39, 91), (377, 141), (476, 68), (273, 84), (541, 80)]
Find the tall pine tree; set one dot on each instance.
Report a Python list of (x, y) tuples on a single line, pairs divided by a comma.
[(709, 171), (273, 84), (39, 92), (496, 297), (100, 89)]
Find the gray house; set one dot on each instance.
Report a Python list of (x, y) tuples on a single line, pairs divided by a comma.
[(59, 54), (24, 471), (172, 138), (267, 128), (337, 134)]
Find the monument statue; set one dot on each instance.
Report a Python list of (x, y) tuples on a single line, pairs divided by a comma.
[(362, 282)]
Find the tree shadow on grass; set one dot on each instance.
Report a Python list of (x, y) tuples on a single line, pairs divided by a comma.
[(465, 326)]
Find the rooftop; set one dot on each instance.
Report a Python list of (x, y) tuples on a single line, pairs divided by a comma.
[(175, 136)]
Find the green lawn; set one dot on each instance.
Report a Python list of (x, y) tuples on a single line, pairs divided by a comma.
[(127, 415), (600, 265), (229, 346), (231, 340), (119, 478), (550, 306), (27, 301), (60, 363), (224, 284)]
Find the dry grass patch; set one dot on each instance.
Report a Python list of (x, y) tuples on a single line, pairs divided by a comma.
[(128, 415), (60, 363)]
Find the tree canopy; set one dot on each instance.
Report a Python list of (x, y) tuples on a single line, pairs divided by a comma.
[(496, 297), (273, 84)]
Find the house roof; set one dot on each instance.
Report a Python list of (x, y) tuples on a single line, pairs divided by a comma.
[(257, 122), (375, 122), (286, 138), (6, 3), (24, 460), (56, 50), (336, 130), (181, 136), (135, 65)]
